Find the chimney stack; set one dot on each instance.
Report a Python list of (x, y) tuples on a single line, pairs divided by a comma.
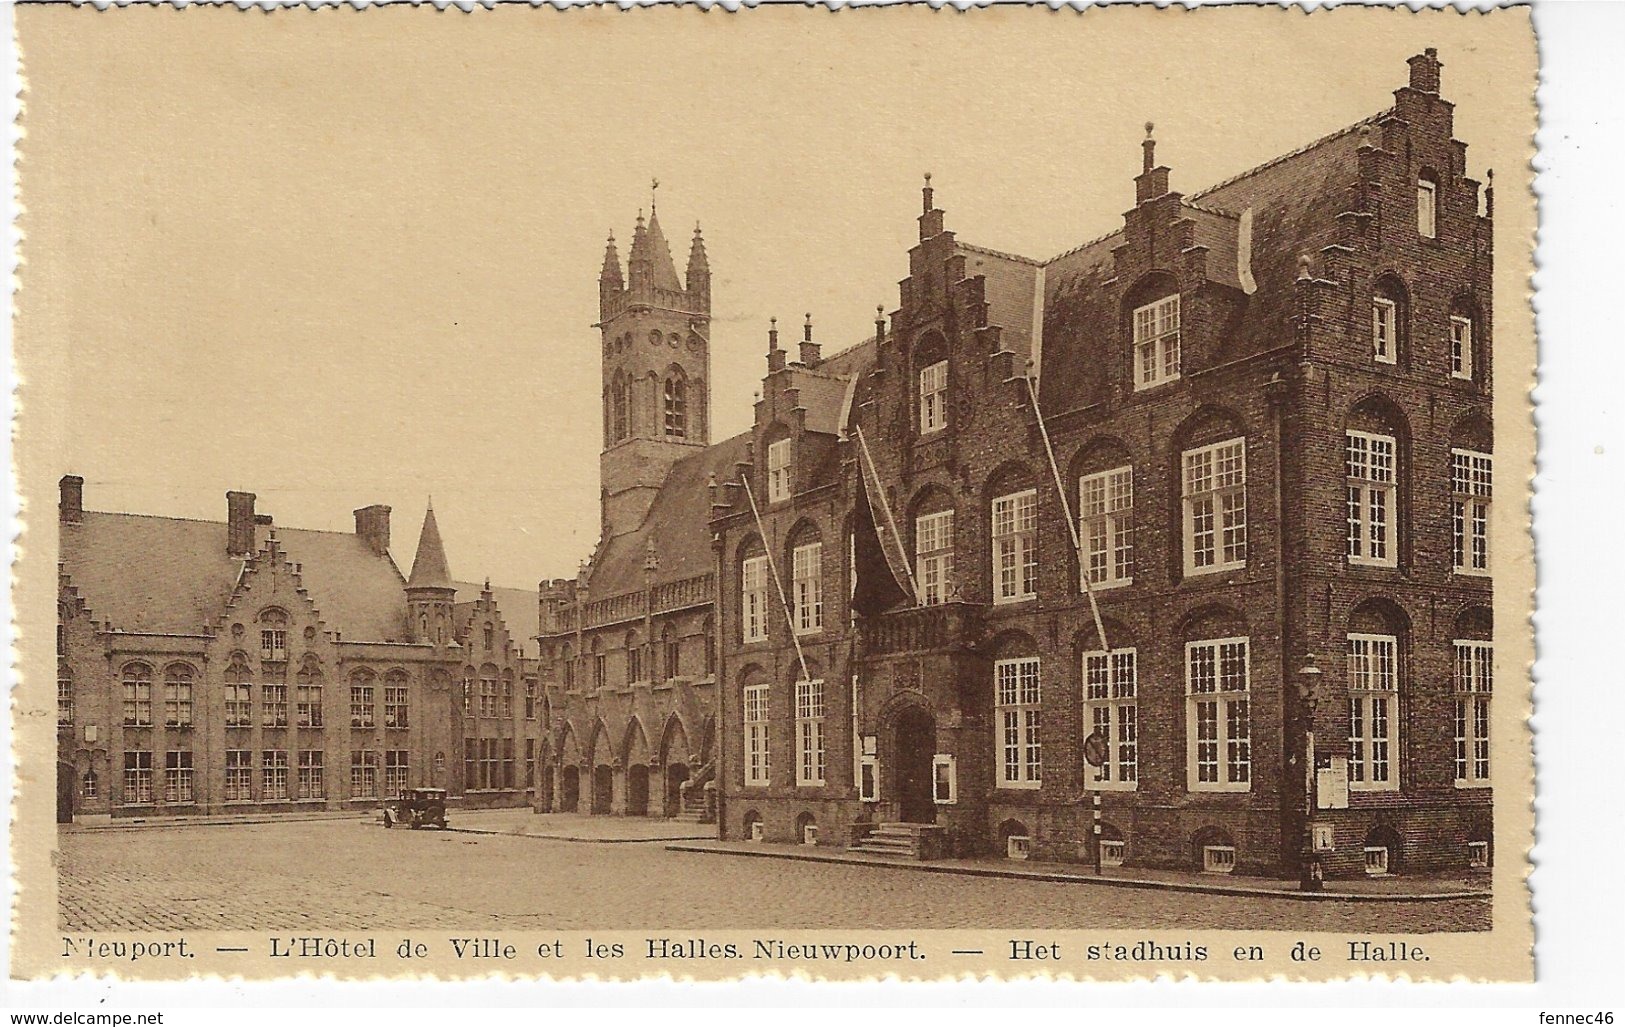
[(810, 350), (372, 527), (71, 506), (1425, 71), (240, 523)]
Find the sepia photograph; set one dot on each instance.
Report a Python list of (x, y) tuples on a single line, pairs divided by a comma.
[(878, 491)]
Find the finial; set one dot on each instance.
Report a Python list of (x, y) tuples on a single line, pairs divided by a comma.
[(1365, 136), (1150, 127), (612, 235), (696, 227), (431, 501), (806, 329), (654, 184), (640, 217), (1303, 267), (1149, 146), (488, 583), (925, 193), (773, 335)]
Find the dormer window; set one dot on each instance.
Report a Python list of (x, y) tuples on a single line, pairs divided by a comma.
[(778, 471), (1427, 207), (934, 397), (1156, 342)]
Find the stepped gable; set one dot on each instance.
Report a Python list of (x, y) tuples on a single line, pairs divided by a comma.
[(1008, 287), (679, 521), (517, 606), (170, 575), (1294, 202)]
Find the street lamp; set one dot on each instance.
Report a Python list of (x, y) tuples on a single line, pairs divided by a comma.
[(1310, 874)]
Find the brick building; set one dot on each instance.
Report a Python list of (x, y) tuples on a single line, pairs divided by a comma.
[(212, 667), (1264, 409)]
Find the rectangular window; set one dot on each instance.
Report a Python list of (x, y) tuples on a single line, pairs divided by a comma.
[(363, 774), (1373, 712), (1471, 484), (809, 732), (1109, 683), (274, 645), (178, 703), (395, 769), (1384, 330), (808, 588), (311, 785), (530, 763), (1475, 662), (1156, 342), (753, 598), (361, 709), (273, 774), (1215, 492), (934, 556), (1017, 715), (1015, 547), (274, 705), (1218, 859), (137, 776), (1218, 729), (1372, 498), (1478, 854), (137, 703), (934, 397), (530, 698), (1461, 348), (757, 770), (64, 698), (1106, 527), (309, 705), (1427, 208), (778, 471), (395, 706), (178, 776), (239, 776), (239, 705)]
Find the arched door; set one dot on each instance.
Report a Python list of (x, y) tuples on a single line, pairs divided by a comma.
[(914, 733), (637, 790), (603, 788), (570, 788)]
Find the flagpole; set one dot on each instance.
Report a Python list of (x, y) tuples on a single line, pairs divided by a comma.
[(1066, 508), (890, 522), (778, 583)]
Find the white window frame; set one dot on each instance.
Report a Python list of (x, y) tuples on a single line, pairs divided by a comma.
[(137, 777), (934, 397), (1374, 713), (807, 587), (810, 749), (753, 598), (1018, 846), (273, 704), (1478, 854), (1106, 528), (1015, 547), (945, 769), (1472, 486), (1017, 722), (1110, 684), (1461, 347), (364, 774), (1384, 330), (1213, 482), (312, 783), (754, 706), (1470, 712), (274, 775), (239, 779), (1427, 208), (1231, 748), (934, 556), (1371, 467), (1218, 859), (779, 485), (179, 783), (1376, 860), (274, 644), (1156, 343), (1113, 851)]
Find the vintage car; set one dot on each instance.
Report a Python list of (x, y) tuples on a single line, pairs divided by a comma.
[(416, 807)]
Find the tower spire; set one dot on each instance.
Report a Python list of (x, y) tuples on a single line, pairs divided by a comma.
[(429, 568), (699, 272)]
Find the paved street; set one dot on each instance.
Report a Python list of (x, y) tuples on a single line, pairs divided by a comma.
[(351, 874)]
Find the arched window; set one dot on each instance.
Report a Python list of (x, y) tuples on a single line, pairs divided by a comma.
[(362, 699), (1218, 702), (273, 636), (1376, 641), (1390, 319), (1474, 683), (753, 585), (1374, 459), (239, 693), (567, 667), (933, 518), (308, 699), (676, 406), (91, 789), (178, 695), (396, 699), (634, 658), (137, 685), (490, 635), (1017, 712), (931, 373), (489, 705), (618, 400)]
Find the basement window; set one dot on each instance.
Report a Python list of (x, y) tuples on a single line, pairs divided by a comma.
[(1218, 859)]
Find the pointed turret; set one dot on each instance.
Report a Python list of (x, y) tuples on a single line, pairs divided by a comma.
[(430, 593), (610, 281), (429, 569), (699, 272), (651, 259)]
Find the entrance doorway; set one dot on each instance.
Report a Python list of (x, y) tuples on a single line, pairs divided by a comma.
[(569, 788), (915, 734), (676, 774), (637, 790), (603, 788)]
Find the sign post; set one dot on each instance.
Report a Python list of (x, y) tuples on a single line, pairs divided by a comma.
[(1094, 754)]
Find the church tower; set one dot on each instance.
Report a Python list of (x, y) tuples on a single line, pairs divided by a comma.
[(656, 335)]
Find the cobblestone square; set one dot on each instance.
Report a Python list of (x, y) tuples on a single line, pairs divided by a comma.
[(351, 874)]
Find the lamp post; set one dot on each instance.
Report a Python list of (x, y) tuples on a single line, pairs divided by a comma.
[(1310, 874)]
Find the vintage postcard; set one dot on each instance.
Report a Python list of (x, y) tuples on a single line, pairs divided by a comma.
[(857, 493)]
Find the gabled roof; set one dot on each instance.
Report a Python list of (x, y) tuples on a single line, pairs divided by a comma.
[(169, 575), (678, 521), (518, 607)]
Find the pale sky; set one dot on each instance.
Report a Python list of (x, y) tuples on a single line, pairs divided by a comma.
[(339, 258)]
